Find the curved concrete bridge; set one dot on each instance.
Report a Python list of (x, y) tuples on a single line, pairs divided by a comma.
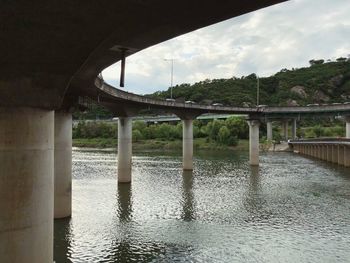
[(52, 53), (125, 105)]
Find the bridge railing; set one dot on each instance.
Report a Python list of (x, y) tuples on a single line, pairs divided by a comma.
[(321, 140)]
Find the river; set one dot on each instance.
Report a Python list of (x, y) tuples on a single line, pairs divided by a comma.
[(290, 209)]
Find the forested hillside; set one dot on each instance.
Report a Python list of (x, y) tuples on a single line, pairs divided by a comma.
[(321, 82)]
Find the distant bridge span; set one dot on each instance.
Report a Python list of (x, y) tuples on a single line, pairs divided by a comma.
[(123, 103)]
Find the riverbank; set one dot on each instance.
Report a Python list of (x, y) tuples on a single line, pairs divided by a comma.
[(198, 143)]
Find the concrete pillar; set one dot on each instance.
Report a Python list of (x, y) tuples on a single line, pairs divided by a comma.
[(285, 130), (187, 144), (26, 185), (269, 130), (254, 142), (341, 155), (347, 156), (347, 120), (335, 153), (63, 164), (124, 149), (294, 129)]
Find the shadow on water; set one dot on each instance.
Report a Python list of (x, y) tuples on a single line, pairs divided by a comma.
[(62, 240), (188, 202), (254, 201)]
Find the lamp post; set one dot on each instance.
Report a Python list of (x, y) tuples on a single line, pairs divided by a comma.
[(257, 90), (171, 76)]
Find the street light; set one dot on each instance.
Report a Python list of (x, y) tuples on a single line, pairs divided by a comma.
[(171, 76), (257, 90)]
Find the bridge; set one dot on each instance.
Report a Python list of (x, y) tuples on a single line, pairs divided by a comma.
[(125, 105), (53, 52)]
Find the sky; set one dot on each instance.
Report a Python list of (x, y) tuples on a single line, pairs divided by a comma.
[(285, 35)]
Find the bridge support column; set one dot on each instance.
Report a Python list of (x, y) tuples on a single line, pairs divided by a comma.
[(346, 156), (285, 130), (347, 119), (26, 185), (187, 144), (254, 141), (63, 164), (124, 149), (269, 130), (294, 129)]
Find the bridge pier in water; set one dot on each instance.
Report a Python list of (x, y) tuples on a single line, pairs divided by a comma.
[(124, 149), (294, 129), (187, 144), (254, 141), (63, 165), (26, 184), (347, 120), (269, 130), (285, 129)]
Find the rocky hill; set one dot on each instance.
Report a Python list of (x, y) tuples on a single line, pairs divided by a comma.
[(322, 82)]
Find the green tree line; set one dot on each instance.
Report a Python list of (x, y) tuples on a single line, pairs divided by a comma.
[(225, 132)]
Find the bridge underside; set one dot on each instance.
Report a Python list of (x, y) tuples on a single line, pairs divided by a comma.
[(53, 47), (52, 52)]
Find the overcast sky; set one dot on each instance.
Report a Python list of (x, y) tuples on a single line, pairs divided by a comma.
[(286, 35)]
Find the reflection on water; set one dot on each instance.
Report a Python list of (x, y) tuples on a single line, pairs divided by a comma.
[(290, 209), (187, 201), (124, 202)]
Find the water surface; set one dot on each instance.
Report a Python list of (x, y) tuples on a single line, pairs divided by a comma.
[(290, 209)]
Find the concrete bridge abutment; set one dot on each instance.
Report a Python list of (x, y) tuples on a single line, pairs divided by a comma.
[(26, 185), (63, 165)]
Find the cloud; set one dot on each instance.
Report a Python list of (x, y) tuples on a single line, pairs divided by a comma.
[(281, 36)]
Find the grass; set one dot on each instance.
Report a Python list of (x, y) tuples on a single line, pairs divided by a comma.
[(198, 143)]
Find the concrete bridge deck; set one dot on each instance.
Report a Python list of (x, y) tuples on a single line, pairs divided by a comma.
[(120, 102)]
